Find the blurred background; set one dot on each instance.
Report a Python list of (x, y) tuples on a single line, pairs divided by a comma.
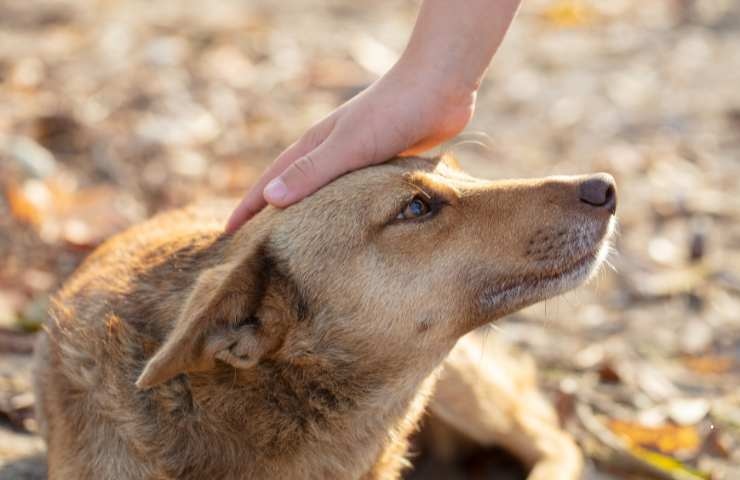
[(112, 110)]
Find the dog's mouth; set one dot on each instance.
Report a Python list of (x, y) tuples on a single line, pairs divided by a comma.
[(527, 289)]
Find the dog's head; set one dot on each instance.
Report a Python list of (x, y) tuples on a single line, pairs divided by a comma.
[(391, 261)]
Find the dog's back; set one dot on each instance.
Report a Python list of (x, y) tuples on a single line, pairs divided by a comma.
[(90, 357)]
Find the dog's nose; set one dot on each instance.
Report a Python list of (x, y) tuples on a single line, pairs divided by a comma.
[(599, 191)]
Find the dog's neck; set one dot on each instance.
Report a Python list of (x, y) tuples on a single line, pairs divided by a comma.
[(334, 414)]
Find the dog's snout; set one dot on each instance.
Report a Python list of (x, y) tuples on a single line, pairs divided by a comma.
[(599, 191)]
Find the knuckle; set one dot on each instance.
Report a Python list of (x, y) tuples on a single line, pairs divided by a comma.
[(306, 166), (312, 138)]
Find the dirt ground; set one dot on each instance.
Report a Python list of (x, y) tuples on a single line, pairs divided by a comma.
[(112, 110)]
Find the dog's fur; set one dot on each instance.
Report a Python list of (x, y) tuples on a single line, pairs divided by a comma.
[(306, 344)]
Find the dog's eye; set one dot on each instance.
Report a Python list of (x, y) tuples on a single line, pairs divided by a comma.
[(416, 208)]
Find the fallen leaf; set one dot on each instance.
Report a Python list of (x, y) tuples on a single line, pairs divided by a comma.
[(569, 13), (709, 364), (82, 218), (28, 201), (668, 464), (666, 438)]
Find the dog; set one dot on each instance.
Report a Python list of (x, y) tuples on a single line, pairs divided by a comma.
[(307, 344)]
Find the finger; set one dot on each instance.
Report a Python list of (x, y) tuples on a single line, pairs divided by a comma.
[(254, 200), (311, 172), (250, 205), (343, 151)]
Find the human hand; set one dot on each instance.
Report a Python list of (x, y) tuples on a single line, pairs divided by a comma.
[(405, 111), (425, 99)]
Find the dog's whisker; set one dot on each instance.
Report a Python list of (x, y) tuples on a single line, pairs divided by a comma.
[(495, 327), (610, 265), (477, 143), (484, 340)]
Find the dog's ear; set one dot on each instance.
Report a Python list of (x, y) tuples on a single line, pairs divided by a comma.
[(217, 322)]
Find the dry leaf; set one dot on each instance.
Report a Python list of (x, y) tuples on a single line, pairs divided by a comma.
[(81, 217), (667, 438), (569, 13), (668, 464), (710, 364)]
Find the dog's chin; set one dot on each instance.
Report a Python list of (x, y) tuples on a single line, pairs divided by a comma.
[(500, 300)]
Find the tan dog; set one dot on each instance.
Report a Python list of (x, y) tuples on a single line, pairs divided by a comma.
[(306, 344)]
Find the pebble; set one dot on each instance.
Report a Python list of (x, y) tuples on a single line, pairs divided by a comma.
[(34, 159), (688, 411)]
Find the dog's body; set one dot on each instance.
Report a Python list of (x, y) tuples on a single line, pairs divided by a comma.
[(307, 344)]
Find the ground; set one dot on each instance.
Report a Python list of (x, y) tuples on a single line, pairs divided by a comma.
[(113, 110)]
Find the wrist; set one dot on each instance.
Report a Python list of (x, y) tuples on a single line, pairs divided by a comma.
[(434, 82), (440, 106)]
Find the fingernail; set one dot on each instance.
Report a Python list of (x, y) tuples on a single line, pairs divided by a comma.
[(276, 190)]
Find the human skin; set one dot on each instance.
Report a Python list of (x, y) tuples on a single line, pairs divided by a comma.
[(427, 97)]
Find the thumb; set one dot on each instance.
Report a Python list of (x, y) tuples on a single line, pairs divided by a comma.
[(312, 171)]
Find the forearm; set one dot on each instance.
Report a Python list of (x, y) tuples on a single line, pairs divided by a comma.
[(456, 39)]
